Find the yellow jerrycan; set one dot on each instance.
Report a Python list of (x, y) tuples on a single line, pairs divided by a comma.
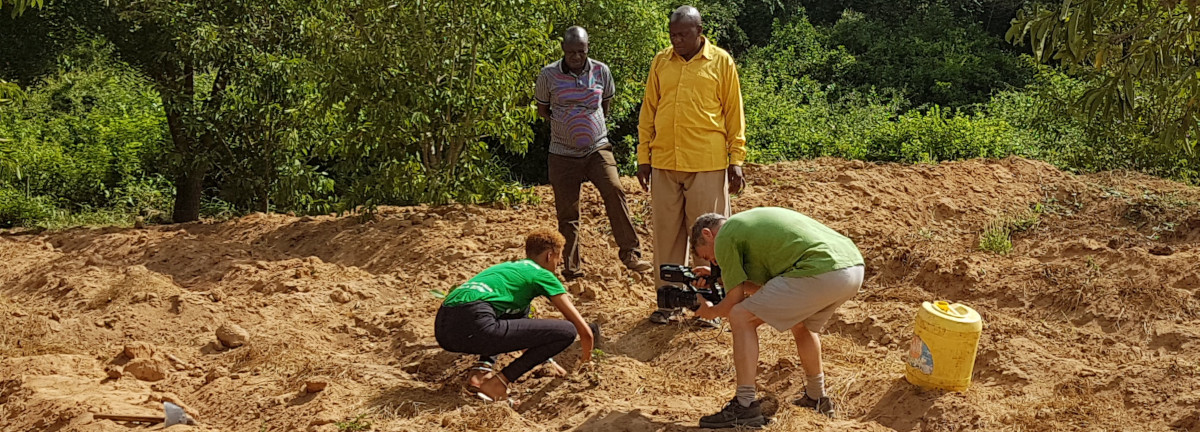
[(942, 353)]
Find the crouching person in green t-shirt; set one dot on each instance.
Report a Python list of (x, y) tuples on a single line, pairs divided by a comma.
[(473, 318), (786, 270)]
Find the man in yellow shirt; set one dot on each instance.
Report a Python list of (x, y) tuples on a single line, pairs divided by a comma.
[(691, 138)]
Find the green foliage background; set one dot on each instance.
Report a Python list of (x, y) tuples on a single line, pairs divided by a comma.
[(115, 111)]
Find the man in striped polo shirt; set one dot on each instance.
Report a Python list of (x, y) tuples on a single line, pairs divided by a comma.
[(574, 95)]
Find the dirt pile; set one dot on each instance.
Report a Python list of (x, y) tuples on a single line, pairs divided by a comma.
[(278, 323)]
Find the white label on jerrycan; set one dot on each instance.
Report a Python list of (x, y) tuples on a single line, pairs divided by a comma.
[(919, 356)]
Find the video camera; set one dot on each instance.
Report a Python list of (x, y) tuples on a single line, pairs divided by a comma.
[(675, 296)]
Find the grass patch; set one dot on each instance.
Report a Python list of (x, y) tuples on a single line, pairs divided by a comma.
[(996, 239), (62, 219), (997, 236)]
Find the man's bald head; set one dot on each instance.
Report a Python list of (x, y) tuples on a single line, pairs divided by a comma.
[(575, 48), (686, 14), (686, 31), (575, 34)]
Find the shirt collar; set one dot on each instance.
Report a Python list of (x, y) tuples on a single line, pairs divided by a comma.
[(708, 51), (562, 66)]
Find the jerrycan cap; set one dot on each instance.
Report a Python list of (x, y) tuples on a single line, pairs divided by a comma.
[(953, 311)]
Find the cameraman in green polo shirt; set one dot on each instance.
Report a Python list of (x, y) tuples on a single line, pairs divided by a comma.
[(487, 316), (788, 271)]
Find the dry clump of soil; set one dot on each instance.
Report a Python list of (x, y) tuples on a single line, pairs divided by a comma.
[(278, 323)]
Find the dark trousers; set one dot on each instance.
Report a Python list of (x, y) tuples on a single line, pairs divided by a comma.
[(567, 175), (474, 328)]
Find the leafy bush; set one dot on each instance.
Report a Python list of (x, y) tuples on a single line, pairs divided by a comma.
[(1043, 116), (18, 209), (82, 135), (89, 137), (793, 111), (936, 135), (933, 56)]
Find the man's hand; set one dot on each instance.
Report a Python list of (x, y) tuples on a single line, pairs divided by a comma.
[(553, 369), (736, 180), (701, 272), (749, 288), (706, 308), (643, 175)]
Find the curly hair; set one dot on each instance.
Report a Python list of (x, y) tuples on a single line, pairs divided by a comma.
[(542, 240)]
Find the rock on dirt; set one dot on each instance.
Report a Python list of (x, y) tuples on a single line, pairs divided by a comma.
[(1162, 250), (113, 371), (313, 386), (139, 350), (146, 369), (217, 372), (340, 296), (232, 335)]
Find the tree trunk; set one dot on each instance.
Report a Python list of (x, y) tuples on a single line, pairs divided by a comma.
[(188, 189), (189, 183)]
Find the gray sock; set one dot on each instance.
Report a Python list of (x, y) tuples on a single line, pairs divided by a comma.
[(745, 395), (814, 386)]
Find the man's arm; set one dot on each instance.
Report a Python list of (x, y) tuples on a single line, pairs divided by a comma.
[(729, 257), (541, 93), (735, 116), (732, 298), (735, 128), (646, 130), (610, 90), (587, 341)]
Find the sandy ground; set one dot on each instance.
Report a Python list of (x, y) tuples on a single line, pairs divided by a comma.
[(1090, 322)]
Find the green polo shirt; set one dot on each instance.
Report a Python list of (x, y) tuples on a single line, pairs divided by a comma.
[(767, 242), (509, 287)]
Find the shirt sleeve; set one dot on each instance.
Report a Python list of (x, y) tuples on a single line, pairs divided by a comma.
[(733, 271), (549, 284), (646, 118), (735, 115), (610, 89), (541, 91)]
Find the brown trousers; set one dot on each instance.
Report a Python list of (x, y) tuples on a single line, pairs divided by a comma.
[(567, 174), (677, 199)]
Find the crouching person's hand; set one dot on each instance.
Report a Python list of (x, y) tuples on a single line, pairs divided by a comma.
[(706, 309)]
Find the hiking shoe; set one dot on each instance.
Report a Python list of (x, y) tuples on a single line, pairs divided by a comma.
[(662, 316), (638, 265), (570, 275), (822, 405), (733, 415), (714, 323)]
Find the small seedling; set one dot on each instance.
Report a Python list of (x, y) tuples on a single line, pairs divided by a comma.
[(356, 424), (996, 239)]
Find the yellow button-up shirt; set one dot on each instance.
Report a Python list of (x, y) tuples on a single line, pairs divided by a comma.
[(692, 118)]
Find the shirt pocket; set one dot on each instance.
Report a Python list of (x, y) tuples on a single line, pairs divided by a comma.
[(705, 98)]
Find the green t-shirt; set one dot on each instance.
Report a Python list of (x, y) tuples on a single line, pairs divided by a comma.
[(509, 287), (767, 242)]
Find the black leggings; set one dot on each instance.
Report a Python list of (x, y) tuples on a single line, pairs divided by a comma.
[(473, 328)]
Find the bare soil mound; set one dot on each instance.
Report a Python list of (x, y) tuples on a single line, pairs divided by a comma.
[(1091, 320)]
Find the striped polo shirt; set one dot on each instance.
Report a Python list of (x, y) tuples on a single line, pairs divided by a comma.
[(576, 118)]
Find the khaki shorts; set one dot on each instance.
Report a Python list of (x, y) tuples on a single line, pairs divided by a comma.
[(784, 302)]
